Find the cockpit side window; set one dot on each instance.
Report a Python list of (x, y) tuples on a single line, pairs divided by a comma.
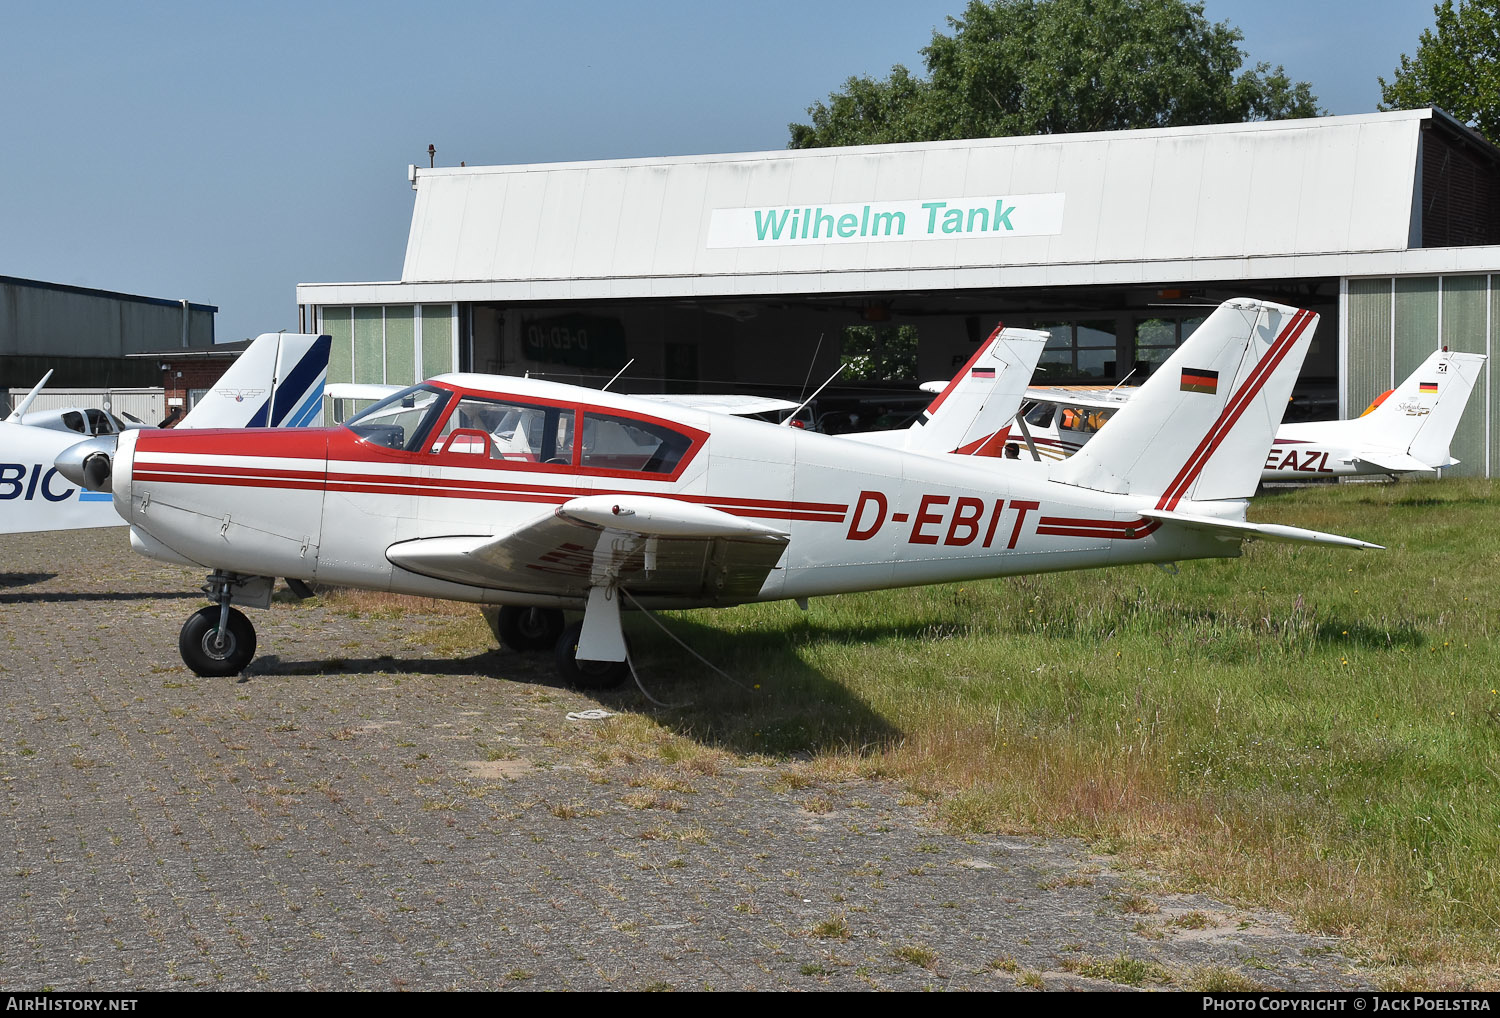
[(628, 444), (500, 429), (1040, 416)]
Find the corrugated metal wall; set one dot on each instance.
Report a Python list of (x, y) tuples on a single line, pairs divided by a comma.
[(1464, 328), (1367, 339), (1413, 316), (41, 320)]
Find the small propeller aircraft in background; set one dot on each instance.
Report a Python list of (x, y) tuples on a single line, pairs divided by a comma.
[(540, 497), (276, 382), (1407, 429)]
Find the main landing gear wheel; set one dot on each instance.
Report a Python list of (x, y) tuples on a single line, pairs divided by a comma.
[(586, 674), (209, 655), (526, 629)]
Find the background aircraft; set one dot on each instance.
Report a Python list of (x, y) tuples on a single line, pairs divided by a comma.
[(1407, 429), (538, 496), (277, 381)]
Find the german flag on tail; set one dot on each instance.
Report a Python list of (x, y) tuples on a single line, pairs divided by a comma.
[(1428, 387), (1200, 380)]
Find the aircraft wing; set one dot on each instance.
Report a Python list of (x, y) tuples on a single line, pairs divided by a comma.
[(1245, 530), (1081, 396), (726, 403), (648, 545)]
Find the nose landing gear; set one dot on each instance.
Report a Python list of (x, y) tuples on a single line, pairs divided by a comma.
[(218, 640)]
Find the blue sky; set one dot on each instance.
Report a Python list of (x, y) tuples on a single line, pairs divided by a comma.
[(224, 153)]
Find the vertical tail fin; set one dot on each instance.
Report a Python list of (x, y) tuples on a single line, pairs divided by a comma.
[(276, 383), (1200, 426), (1420, 415), (971, 414)]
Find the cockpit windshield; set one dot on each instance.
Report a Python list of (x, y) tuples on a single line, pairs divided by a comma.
[(401, 420)]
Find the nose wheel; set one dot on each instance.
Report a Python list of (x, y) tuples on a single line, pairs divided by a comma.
[(217, 641)]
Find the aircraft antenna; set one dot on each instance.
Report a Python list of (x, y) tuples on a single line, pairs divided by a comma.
[(810, 365), (25, 404), (1125, 379), (618, 374), (793, 416)]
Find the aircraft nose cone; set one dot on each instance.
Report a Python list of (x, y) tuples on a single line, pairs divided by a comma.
[(88, 464)]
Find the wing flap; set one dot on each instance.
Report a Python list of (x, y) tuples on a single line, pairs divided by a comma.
[(648, 545)]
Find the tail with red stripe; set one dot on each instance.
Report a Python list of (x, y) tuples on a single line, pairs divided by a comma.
[(1201, 425)]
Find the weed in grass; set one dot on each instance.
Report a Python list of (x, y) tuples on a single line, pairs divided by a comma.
[(1218, 979), (1124, 969), (915, 954), (836, 927)]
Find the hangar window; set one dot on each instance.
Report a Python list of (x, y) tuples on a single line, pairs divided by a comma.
[(1081, 349), (1156, 338)]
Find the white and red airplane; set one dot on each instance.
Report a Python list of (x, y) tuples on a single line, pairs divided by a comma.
[(276, 382), (541, 497), (1407, 429)]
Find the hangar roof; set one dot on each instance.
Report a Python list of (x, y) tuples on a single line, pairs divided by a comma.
[(1326, 196)]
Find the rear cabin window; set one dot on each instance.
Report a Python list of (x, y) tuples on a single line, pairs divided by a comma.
[(626, 444), (1084, 420)]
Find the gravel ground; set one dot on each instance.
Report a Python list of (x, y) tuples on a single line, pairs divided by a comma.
[(358, 812)]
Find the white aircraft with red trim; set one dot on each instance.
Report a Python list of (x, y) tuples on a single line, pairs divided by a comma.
[(276, 382), (540, 497), (971, 415), (1407, 429)]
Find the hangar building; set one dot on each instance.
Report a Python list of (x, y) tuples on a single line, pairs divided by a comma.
[(742, 271), (87, 337)]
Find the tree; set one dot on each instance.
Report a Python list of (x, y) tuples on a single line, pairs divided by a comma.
[(1017, 67), (879, 353), (1456, 68)]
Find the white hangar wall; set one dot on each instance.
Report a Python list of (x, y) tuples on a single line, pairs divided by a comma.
[(743, 270)]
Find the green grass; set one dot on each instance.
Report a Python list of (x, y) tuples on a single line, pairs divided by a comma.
[(1309, 728)]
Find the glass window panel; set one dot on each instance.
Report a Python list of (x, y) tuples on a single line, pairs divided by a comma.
[(1096, 363), (1055, 364), (437, 339), (369, 345), (618, 443), (515, 432), (400, 420), (400, 349), (1095, 334), (1156, 332), (1062, 334)]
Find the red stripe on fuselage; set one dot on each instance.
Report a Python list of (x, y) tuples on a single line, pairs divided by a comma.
[(237, 476)]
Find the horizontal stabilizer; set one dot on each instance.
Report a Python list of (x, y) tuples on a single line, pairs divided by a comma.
[(1398, 462), (1245, 530)]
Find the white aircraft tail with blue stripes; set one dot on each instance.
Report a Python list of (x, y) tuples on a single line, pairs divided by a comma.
[(276, 383)]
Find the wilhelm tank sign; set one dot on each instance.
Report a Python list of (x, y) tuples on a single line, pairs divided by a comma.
[(991, 217)]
